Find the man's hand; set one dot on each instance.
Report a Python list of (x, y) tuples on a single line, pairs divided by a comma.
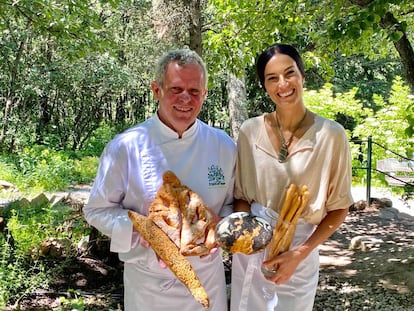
[(144, 243)]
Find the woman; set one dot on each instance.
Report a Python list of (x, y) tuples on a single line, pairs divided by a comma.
[(291, 145)]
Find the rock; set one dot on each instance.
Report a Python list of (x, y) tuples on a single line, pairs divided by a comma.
[(389, 213), (386, 202), (6, 185), (40, 200), (22, 203), (243, 233), (364, 242), (54, 248), (381, 203), (358, 206), (83, 244), (56, 199)]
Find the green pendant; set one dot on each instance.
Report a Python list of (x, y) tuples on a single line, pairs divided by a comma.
[(283, 153)]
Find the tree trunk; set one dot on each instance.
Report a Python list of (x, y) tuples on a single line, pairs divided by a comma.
[(403, 47), (45, 116), (194, 26), (236, 90), (7, 112), (14, 67)]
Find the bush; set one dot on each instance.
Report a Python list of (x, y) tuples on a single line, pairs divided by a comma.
[(38, 169), (23, 265), (17, 276)]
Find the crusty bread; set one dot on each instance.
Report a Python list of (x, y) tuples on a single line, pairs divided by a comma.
[(182, 215), (165, 212), (197, 231), (170, 254)]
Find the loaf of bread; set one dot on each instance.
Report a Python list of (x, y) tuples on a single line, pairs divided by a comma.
[(243, 233), (182, 215), (166, 250)]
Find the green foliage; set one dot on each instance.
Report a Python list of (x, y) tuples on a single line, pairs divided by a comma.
[(330, 105), (234, 44), (17, 277), (39, 169), (22, 268), (32, 224), (74, 304), (372, 76), (321, 30), (388, 126), (96, 142), (67, 66)]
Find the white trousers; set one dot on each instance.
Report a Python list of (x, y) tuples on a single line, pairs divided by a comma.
[(146, 291), (251, 291)]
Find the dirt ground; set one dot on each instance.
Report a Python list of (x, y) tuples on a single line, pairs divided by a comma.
[(368, 264)]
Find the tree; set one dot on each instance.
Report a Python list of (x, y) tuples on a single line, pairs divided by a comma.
[(180, 22), (321, 30), (366, 17), (32, 33)]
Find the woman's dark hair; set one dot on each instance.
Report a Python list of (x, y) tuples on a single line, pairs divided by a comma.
[(267, 54)]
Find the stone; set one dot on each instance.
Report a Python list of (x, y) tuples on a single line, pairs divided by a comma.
[(6, 185), (358, 206), (22, 203), (40, 200)]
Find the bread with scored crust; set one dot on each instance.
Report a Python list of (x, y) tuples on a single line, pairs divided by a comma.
[(181, 213)]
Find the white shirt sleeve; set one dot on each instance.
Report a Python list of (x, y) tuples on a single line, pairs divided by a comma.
[(104, 210)]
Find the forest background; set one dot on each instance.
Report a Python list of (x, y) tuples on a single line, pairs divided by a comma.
[(75, 73)]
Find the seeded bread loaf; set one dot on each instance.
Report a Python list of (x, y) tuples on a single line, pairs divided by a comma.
[(170, 254)]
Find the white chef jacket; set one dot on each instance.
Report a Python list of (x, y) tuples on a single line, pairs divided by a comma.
[(129, 175)]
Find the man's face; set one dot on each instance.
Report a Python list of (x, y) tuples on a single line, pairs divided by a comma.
[(181, 96)]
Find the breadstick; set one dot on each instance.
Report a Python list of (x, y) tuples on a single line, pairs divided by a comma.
[(278, 245), (280, 228), (170, 254), (293, 208), (295, 202), (304, 196), (290, 194)]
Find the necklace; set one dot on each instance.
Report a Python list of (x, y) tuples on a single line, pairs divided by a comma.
[(283, 152)]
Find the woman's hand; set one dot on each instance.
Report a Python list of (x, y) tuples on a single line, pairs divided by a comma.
[(287, 262), (285, 265)]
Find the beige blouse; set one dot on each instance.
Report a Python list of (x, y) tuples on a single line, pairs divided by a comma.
[(320, 159)]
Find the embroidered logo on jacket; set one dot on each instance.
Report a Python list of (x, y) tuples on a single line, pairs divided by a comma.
[(215, 176)]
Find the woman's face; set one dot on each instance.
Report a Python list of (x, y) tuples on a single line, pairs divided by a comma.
[(283, 80)]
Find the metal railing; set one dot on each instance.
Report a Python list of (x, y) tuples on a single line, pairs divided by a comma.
[(387, 171)]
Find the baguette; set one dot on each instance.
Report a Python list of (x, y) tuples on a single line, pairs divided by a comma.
[(170, 254)]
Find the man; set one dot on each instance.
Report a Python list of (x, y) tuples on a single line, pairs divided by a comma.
[(130, 173)]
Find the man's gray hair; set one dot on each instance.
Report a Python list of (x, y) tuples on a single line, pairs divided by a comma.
[(181, 57)]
